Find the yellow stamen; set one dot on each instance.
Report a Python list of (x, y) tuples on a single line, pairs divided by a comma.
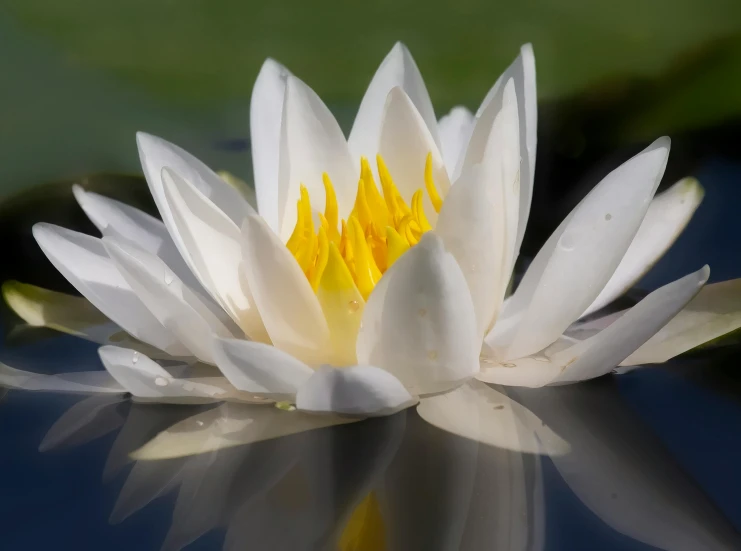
[(316, 271), (361, 210), (437, 202), (396, 244), (330, 208), (377, 205), (419, 212), (367, 273)]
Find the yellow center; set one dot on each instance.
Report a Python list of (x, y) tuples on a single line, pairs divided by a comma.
[(380, 228)]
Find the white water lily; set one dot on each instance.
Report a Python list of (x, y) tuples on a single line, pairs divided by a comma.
[(375, 268)]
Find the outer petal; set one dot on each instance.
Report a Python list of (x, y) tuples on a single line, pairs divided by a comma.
[(260, 368), (156, 153), (582, 254), (266, 111), (419, 322), (358, 390), (212, 248), (397, 69), (311, 143), (474, 236), (715, 311), (78, 381), (289, 308), (114, 218), (83, 260), (522, 71), (666, 218), (144, 378), (176, 306), (455, 129), (405, 142)]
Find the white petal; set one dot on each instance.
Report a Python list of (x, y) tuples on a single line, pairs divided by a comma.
[(287, 303), (599, 354), (419, 322), (156, 153), (231, 425), (532, 372), (114, 218), (474, 236), (455, 129), (83, 260), (260, 368), (522, 71), (144, 378), (479, 412), (715, 311), (405, 142), (311, 143), (667, 216), (266, 111), (76, 381), (87, 420), (176, 306), (212, 245), (358, 390), (582, 254), (397, 69)]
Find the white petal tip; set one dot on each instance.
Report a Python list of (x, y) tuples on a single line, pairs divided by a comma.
[(359, 390)]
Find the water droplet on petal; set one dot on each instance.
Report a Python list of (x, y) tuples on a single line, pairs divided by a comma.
[(608, 216), (168, 277), (199, 423), (188, 387), (135, 357), (160, 381), (285, 406), (353, 305), (509, 365), (432, 354)]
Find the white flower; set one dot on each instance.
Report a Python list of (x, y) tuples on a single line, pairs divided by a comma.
[(387, 255)]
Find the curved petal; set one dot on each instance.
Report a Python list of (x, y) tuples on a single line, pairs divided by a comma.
[(474, 236), (666, 218), (83, 260), (266, 111), (477, 411), (405, 141), (455, 129), (311, 143), (114, 218), (144, 378), (97, 382), (289, 308), (156, 153), (419, 322), (522, 72), (531, 372), (212, 247), (715, 311), (260, 368), (358, 390), (397, 69), (579, 258), (176, 306)]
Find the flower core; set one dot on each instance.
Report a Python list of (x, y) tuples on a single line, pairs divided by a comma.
[(380, 228)]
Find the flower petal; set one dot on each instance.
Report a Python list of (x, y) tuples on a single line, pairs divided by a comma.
[(715, 311), (114, 218), (260, 368), (455, 128), (231, 425), (289, 308), (419, 322), (397, 69), (83, 260), (405, 141), (479, 412), (666, 218), (532, 372), (212, 248), (582, 254), (156, 153), (144, 378), (599, 354), (474, 236), (177, 307), (87, 420), (77, 381), (358, 390), (266, 111), (522, 72), (311, 143)]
